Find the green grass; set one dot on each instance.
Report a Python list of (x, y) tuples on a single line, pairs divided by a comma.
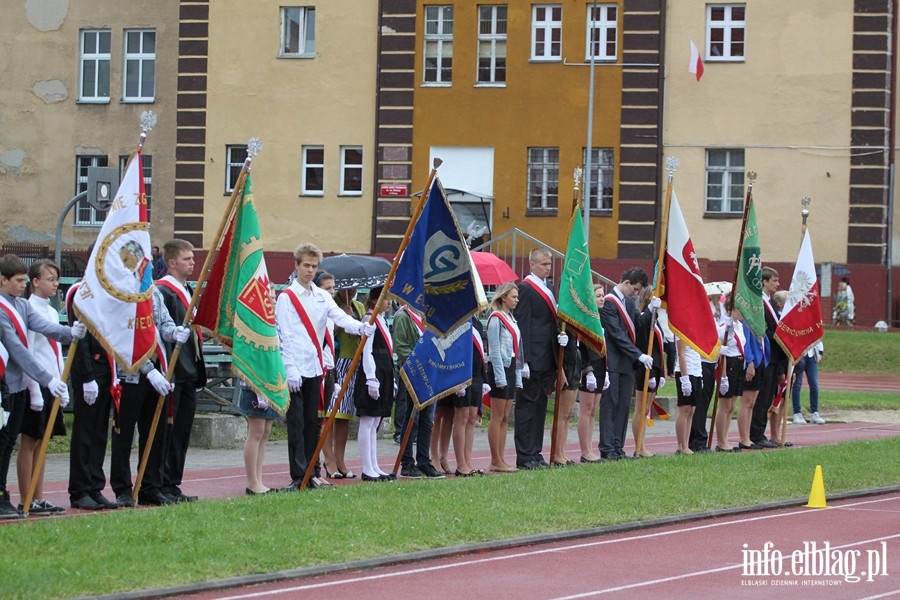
[(848, 351), (139, 549)]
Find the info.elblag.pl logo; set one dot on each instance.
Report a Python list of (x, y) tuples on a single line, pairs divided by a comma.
[(816, 564)]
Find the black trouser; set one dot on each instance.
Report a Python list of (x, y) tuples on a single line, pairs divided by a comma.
[(530, 414), (178, 435), (90, 432), (15, 404), (699, 436), (614, 405), (768, 381), (136, 408), (302, 421)]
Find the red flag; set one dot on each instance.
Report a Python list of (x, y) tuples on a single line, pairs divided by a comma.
[(800, 326), (690, 315), (696, 64)]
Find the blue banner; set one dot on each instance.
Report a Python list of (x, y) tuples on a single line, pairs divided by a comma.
[(435, 274), (437, 366)]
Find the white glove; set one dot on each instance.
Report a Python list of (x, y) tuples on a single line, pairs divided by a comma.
[(727, 321), (37, 401), (461, 392), (646, 360), (91, 391), (606, 382), (662, 381), (294, 384), (159, 383), (367, 329), (182, 334), (655, 303), (562, 339), (374, 390), (58, 388), (526, 372), (651, 384), (261, 403), (485, 389), (686, 388), (590, 382), (723, 385), (78, 330)]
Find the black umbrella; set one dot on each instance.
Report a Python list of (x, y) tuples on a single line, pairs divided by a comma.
[(355, 271)]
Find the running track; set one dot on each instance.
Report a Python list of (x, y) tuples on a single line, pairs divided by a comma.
[(697, 559)]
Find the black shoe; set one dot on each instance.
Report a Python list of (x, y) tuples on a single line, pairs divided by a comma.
[(397, 439), (459, 473), (542, 462), (700, 449), (179, 498), (124, 501), (767, 444), (104, 501), (587, 460), (155, 499), (411, 472), (42, 507), (7, 510), (430, 472), (86, 503), (370, 478)]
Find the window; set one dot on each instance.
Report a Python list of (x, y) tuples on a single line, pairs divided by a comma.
[(725, 29), (313, 183), (602, 181), (543, 179), (351, 170), (602, 32), (85, 214), (94, 65), (298, 31), (147, 164), (725, 182), (140, 65), (546, 32), (438, 44), (234, 161), (492, 44)]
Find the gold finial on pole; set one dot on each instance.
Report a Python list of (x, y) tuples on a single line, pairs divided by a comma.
[(577, 177)]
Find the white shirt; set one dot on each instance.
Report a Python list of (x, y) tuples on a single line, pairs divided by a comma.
[(300, 353), (40, 346), (691, 361)]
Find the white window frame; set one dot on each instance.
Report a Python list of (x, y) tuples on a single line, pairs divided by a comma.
[(547, 176), (728, 177), (492, 43), (728, 26), (305, 189), (602, 30), (546, 25), (602, 178), (85, 214), (234, 162), (347, 168), (438, 45), (294, 21), (143, 61), (100, 60)]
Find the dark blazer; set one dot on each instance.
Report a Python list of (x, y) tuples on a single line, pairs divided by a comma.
[(191, 366), (621, 353), (538, 326)]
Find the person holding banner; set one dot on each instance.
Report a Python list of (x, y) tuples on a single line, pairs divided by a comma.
[(17, 318), (504, 374), (594, 380), (658, 373), (756, 357), (768, 383), (465, 407)]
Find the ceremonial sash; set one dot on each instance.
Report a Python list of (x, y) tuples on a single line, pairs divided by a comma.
[(415, 318), (625, 316), (15, 318), (659, 338), (540, 290), (509, 326), (771, 310), (382, 329), (476, 338), (4, 356), (181, 292), (313, 337)]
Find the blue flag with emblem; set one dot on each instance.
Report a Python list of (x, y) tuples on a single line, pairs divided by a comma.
[(439, 366), (435, 277)]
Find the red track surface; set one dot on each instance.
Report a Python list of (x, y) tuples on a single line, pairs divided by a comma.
[(703, 559), (851, 382)]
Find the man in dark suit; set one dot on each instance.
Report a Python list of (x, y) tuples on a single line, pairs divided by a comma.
[(777, 367), (536, 316), (618, 316)]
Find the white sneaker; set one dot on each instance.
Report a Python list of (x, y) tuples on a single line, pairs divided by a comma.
[(799, 420), (815, 418)]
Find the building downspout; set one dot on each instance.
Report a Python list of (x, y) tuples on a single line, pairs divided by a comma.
[(892, 142), (661, 99), (375, 185)]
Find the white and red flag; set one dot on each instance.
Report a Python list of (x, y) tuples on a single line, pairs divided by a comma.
[(115, 300), (696, 64), (801, 326), (687, 307)]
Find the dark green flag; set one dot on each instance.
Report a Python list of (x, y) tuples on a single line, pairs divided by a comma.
[(577, 306)]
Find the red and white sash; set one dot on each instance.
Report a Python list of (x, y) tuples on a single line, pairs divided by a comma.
[(176, 286), (381, 324), (16, 319), (479, 345), (313, 338), (543, 294), (415, 319), (4, 356), (510, 327), (625, 316)]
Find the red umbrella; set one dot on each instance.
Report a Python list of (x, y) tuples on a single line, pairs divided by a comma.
[(491, 269)]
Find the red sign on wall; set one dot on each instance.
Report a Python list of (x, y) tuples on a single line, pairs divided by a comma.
[(393, 189)]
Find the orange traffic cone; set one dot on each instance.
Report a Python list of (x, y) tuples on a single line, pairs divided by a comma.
[(817, 493)]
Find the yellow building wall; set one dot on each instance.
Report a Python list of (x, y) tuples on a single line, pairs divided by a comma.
[(328, 100), (542, 105), (787, 105)]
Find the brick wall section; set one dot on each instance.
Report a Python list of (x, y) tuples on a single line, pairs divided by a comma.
[(394, 127), (190, 148), (641, 136), (866, 229)]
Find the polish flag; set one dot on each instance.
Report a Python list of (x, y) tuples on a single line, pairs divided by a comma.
[(800, 327), (685, 297), (696, 64)]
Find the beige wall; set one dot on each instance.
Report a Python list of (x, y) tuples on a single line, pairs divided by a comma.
[(788, 106), (43, 128), (328, 100)]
